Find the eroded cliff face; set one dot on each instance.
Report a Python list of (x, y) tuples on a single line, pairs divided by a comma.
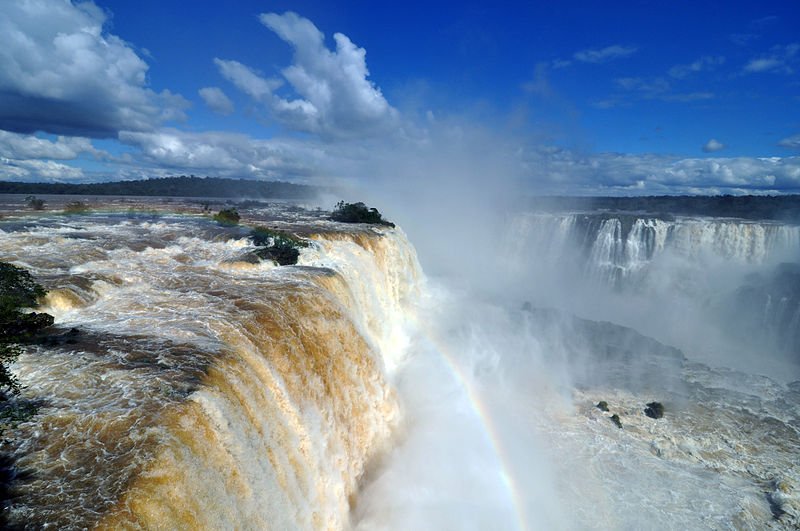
[(205, 391)]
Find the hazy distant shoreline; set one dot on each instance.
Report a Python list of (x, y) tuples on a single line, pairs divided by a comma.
[(170, 187), (785, 208)]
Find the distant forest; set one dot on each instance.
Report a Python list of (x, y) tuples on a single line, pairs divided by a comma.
[(780, 208), (183, 186)]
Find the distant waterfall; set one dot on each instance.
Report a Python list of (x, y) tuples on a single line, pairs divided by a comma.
[(620, 250)]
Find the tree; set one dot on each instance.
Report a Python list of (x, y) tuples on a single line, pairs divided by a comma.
[(227, 216), (18, 290), (34, 203), (281, 247), (358, 213)]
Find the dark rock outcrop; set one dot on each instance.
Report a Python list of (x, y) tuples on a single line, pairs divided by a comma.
[(654, 410)]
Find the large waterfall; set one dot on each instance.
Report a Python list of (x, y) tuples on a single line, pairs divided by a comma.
[(737, 276), (622, 249), (203, 389)]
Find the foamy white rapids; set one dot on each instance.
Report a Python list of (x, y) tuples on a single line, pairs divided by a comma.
[(205, 391)]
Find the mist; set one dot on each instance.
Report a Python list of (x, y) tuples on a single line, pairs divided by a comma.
[(524, 328)]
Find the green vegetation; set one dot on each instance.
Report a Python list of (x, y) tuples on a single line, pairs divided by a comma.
[(183, 186), (358, 213), (781, 208), (76, 207), (34, 203), (18, 290), (281, 247), (227, 216)]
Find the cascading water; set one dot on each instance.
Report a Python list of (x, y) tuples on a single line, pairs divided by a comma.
[(697, 266), (206, 390), (622, 249)]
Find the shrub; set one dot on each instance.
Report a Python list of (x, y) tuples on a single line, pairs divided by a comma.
[(34, 203), (227, 216), (279, 246), (18, 290), (76, 207), (358, 213)]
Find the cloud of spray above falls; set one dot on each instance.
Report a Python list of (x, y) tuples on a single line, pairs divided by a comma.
[(449, 190)]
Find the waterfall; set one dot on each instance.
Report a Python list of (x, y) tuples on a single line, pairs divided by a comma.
[(205, 391), (619, 250)]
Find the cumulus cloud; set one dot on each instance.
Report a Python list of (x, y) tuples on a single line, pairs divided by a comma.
[(330, 93), (562, 171), (61, 73), (17, 146), (216, 100), (791, 142), (713, 145), (226, 154), (38, 170), (30, 157), (706, 62), (604, 55)]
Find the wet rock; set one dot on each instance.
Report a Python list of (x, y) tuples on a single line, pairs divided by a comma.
[(249, 258), (70, 337), (654, 410), (616, 421), (602, 405)]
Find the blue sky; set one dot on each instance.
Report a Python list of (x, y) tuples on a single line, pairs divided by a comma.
[(640, 97)]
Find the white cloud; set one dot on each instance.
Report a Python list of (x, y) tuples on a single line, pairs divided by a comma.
[(764, 64), (781, 59), (604, 55), (331, 97), (246, 79), (713, 145), (30, 158), (791, 142), (653, 86), (225, 154), (61, 73), (17, 146), (216, 100), (706, 62), (562, 171), (38, 170), (658, 88)]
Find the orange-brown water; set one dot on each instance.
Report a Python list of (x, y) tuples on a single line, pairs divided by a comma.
[(203, 391)]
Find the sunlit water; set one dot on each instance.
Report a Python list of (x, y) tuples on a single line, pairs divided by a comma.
[(349, 391)]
